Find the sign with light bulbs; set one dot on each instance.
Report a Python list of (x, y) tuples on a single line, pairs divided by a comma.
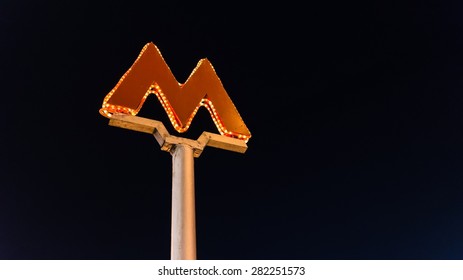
[(150, 74)]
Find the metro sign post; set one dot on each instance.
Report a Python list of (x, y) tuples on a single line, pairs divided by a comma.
[(150, 74)]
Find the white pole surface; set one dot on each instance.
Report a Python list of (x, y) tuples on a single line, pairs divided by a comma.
[(183, 235)]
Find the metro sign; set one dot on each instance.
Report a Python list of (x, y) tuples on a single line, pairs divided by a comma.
[(150, 74)]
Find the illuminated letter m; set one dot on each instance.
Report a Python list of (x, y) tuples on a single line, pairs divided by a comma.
[(150, 74)]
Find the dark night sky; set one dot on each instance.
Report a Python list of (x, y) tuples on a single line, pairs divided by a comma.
[(355, 110)]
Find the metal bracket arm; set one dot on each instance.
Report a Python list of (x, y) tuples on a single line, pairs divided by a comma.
[(167, 141)]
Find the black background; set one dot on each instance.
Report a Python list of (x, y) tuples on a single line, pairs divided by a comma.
[(354, 109)]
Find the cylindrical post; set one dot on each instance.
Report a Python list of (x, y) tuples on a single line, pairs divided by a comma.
[(183, 235)]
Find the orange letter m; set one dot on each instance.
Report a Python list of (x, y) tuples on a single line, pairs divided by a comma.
[(150, 74)]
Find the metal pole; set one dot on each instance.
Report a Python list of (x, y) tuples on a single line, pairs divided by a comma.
[(183, 235), (183, 151)]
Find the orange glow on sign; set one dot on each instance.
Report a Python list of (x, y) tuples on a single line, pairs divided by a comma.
[(150, 74)]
